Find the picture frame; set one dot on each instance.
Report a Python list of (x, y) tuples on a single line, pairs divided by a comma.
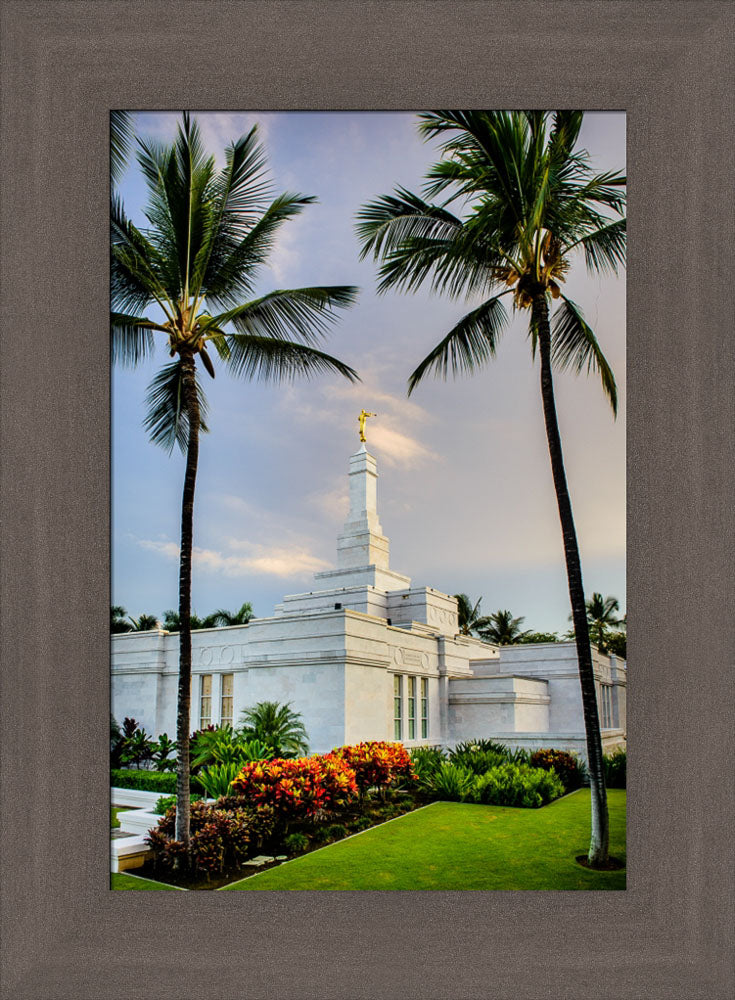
[(66, 64)]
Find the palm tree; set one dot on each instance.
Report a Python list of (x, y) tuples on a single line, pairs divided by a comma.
[(119, 621), (601, 616), (278, 726), (144, 623), (241, 617), (503, 629), (121, 140), (532, 202), (195, 265), (468, 615)]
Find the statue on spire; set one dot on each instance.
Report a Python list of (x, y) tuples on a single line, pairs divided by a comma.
[(361, 420)]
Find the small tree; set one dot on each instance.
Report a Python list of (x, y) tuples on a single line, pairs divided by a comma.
[(503, 629), (276, 725)]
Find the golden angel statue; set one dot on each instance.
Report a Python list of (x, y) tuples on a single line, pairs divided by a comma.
[(361, 420)]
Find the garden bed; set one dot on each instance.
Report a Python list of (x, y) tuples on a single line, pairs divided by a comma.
[(374, 811)]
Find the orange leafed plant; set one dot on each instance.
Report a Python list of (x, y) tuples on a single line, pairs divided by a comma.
[(300, 789), (377, 763)]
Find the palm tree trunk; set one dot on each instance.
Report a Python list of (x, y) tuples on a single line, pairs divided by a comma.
[(598, 852), (183, 770)]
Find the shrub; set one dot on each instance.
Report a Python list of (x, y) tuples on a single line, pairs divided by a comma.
[(376, 763), (217, 779), (302, 789), (165, 802), (503, 752), (566, 765), (145, 781), (362, 823), (336, 831), (224, 745), (425, 760), (296, 843), (220, 838), (450, 782), (477, 761), (615, 767), (162, 753), (517, 785)]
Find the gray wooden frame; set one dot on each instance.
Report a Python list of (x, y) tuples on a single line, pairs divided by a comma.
[(65, 64)]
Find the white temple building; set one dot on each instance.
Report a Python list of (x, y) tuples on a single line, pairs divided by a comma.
[(367, 656)]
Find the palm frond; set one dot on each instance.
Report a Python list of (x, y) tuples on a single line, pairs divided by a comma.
[(574, 345), (604, 249), (237, 199), (135, 266), (272, 360), (167, 419), (302, 314), (179, 180), (468, 345), (132, 338), (234, 263), (390, 221), (121, 141)]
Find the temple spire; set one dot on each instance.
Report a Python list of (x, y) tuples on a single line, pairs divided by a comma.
[(362, 542)]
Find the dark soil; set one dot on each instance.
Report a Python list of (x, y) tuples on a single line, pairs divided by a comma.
[(611, 865)]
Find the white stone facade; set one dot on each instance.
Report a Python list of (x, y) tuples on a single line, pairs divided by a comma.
[(368, 656)]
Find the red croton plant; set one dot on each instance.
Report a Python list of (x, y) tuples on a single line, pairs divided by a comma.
[(376, 763), (299, 789)]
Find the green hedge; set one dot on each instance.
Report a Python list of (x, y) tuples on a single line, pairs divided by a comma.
[(147, 781)]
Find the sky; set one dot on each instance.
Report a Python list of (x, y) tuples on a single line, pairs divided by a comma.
[(465, 493)]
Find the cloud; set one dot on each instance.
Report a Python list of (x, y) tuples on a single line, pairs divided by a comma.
[(394, 433), (286, 561), (334, 503), (400, 449)]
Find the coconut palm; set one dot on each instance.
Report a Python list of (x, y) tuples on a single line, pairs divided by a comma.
[(121, 140), (276, 725), (601, 616), (144, 623), (172, 621), (189, 278), (119, 621), (468, 615), (241, 617), (503, 629), (531, 203)]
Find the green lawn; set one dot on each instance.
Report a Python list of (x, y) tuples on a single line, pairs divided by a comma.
[(452, 845), (121, 880)]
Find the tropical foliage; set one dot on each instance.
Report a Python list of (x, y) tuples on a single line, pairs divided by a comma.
[(469, 619), (502, 629), (188, 278), (531, 204), (119, 621), (220, 837), (377, 764), (296, 790), (616, 768), (224, 745), (602, 617), (240, 617), (567, 766), (278, 726)]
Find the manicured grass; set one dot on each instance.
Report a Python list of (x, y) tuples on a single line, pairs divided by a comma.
[(452, 845), (114, 821), (120, 880)]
